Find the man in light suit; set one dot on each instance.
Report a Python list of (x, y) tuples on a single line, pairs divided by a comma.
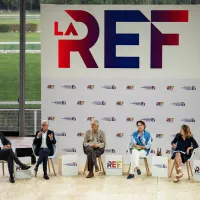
[(93, 146), (7, 154), (44, 141)]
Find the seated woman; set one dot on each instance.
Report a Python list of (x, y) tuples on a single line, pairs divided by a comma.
[(184, 144), (139, 147)]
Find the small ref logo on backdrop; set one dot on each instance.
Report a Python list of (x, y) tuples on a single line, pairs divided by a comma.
[(69, 150), (62, 134), (149, 119), (69, 87), (139, 103), (109, 87), (69, 118), (149, 87), (59, 102), (99, 103), (110, 151), (109, 119)]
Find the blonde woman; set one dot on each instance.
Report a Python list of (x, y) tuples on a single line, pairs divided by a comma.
[(183, 145)]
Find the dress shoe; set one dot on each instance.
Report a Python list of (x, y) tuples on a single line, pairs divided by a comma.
[(25, 167), (90, 175), (138, 171), (130, 176), (96, 168), (46, 177), (11, 179)]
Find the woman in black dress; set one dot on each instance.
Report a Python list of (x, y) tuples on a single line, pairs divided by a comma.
[(184, 144)]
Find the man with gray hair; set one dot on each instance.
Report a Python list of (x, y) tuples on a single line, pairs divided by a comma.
[(93, 146), (44, 141)]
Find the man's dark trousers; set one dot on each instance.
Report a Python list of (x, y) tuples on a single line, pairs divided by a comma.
[(92, 155)]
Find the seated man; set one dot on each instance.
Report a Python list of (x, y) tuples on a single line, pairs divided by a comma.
[(7, 154), (93, 146), (44, 141)]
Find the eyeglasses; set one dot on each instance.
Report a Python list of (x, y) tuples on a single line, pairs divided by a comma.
[(44, 125)]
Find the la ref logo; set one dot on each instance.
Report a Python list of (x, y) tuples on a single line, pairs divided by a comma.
[(70, 164), (113, 39)]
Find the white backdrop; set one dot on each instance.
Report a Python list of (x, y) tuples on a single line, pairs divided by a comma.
[(128, 94)]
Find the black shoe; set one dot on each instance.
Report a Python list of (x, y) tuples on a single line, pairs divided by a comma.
[(25, 167), (138, 171), (36, 170), (130, 176), (11, 179), (90, 175), (46, 177)]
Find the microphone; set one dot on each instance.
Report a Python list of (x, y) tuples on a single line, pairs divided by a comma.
[(40, 133)]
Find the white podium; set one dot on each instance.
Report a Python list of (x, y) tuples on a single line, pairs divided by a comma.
[(114, 165), (23, 174), (68, 165), (196, 170), (159, 166)]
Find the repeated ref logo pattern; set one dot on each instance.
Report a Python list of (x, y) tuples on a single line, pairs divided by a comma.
[(129, 102), (112, 39), (123, 103)]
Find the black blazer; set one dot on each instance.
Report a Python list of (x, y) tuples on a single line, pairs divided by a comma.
[(38, 142), (4, 140)]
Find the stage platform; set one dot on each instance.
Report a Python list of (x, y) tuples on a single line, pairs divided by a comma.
[(99, 188)]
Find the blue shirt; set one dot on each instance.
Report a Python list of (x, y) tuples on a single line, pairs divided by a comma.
[(144, 140)]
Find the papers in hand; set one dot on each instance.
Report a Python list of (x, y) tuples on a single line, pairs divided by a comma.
[(133, 147)]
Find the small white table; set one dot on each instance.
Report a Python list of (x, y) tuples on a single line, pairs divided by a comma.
[(68, 165), (196, 170), (160, 166), (23, 174)]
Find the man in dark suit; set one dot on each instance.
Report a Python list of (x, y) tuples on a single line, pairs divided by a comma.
[(7, 154), (44, 141)]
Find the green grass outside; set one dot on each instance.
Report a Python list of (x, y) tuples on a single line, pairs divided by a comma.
[(16, 21), (14, 37), (9, 67), (17, 106), (9, 77), (8, 20), (4, 12)]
